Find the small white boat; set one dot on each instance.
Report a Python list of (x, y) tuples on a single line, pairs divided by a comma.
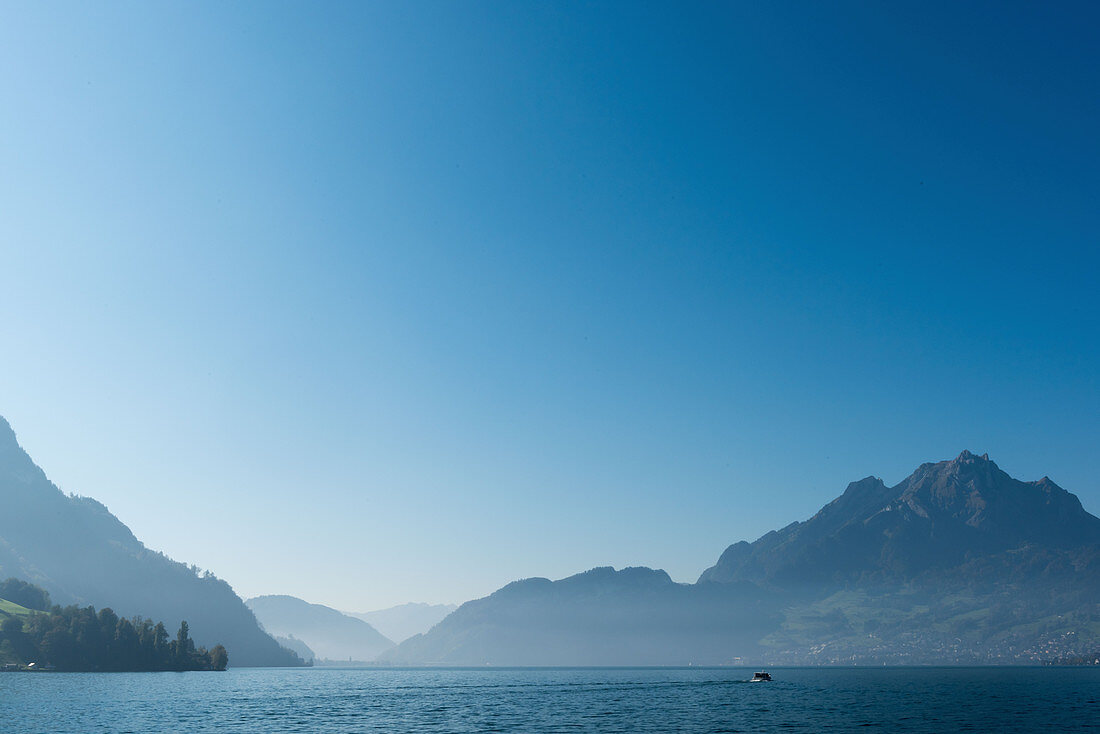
[(761, 676)]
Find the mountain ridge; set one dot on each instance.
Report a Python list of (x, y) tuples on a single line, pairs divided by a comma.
[(958, 563), (930, 519), (603, 616)]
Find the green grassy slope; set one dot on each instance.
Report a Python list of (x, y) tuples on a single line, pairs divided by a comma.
[(13, 609), (8, 653)]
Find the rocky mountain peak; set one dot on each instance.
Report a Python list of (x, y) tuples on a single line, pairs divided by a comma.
[(965, 482), (933, 519)]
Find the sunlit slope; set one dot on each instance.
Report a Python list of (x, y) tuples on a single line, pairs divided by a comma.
[(9, 648), (12, 609)]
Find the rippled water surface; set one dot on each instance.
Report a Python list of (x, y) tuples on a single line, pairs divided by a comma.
[(554, 700)]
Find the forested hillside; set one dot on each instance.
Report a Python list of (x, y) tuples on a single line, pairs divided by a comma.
[(78, 639)]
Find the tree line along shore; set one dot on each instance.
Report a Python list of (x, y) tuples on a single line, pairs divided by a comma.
[(36, 635)]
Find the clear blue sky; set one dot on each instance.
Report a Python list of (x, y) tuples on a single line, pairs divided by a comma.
[(379, 302)]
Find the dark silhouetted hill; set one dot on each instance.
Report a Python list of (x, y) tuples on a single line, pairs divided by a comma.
[(330, 634), (82, 554), (299, 648)]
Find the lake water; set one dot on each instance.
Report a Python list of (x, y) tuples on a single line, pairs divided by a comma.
[(554, 700)]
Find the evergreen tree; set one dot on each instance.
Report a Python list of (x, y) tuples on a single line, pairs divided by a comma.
[(219, 658)]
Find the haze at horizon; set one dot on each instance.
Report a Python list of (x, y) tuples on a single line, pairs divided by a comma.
[(387, 303)]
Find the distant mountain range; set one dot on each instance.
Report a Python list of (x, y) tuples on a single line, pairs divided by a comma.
[(959, 563), (401, 622), (82, 554), (636, 616), (328, 633)]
